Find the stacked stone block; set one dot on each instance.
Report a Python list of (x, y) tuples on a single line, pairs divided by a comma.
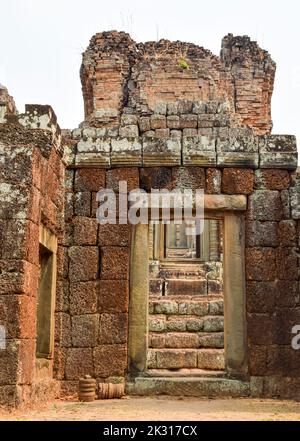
[(31, 183)]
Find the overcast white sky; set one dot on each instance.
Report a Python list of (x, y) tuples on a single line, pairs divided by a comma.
[(42, 41)]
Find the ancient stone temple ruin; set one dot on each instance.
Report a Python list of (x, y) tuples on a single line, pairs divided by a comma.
[(147, 305)]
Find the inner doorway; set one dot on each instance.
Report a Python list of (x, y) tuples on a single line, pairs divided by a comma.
[(186, 304)]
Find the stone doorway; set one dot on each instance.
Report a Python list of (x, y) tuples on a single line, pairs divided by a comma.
[(186, 308), (144, 377)]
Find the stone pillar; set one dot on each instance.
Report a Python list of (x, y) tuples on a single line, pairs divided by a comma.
[(138, 307), (235, 295), (214, 240)]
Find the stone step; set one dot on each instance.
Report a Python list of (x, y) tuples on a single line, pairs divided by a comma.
[(209, 359), (184, 372), (177, 307), (184, 340), (207, 270), (161, 324), (189, 387), (192, 287)]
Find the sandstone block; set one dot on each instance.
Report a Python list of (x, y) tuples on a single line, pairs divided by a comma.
[(113, 296), (129, 131), (188, 121), (85, 231), (79, 362), (181, 340), (261, 296), (176, 359), (114, 235), (130, 175), (110, 360), (115, 263), (272, 179), (89, 179), (287, 234), (261, 234), (83, 297), (265, 205), (84, 263), (158, 122), (85, 330), (261, 264), (211, 359), (237, 181), (113, 328)]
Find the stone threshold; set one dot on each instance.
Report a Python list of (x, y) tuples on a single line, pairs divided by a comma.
[(183, 373), (209, 387)]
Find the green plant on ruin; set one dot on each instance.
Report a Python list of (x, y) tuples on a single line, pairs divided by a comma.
[(183, 64)]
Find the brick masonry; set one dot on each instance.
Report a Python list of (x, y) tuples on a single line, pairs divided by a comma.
[(155, 124)]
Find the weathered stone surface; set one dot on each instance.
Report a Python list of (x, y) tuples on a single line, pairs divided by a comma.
[(130, 175), (237, 159), (278, 151), (114, 235), (156, 178), (113, 296), (85, 231), (162, 133), (261, 234), (113, 328), (129, 131), (199, 150), (173, 122), (161, 152), (176, 359), (188, 177), (237, 181), (211, 359), (294, 194), (272, 179), (158, 122), (211, 340), (287, 234), (261, 296), (166, 307), (287, 263), (213, 324), (79, 362), (114, 263), (188, 121), (84, 263), (181, 340), (110, 360), (85, 330), (89, 179), (260, 329), (144, 124), (18, 315), (126, 152), (265, 205), (287, 293), (83, 297), (157, 323), (261, 264), (213, 181), (82, 203), (185, 287), (62, 333)]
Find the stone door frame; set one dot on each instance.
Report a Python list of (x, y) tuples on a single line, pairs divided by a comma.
[(231, 210)]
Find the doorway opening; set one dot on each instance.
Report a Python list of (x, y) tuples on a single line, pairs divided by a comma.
[(186, 303)]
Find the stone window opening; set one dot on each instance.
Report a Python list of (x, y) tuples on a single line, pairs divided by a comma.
[(46, 295)]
